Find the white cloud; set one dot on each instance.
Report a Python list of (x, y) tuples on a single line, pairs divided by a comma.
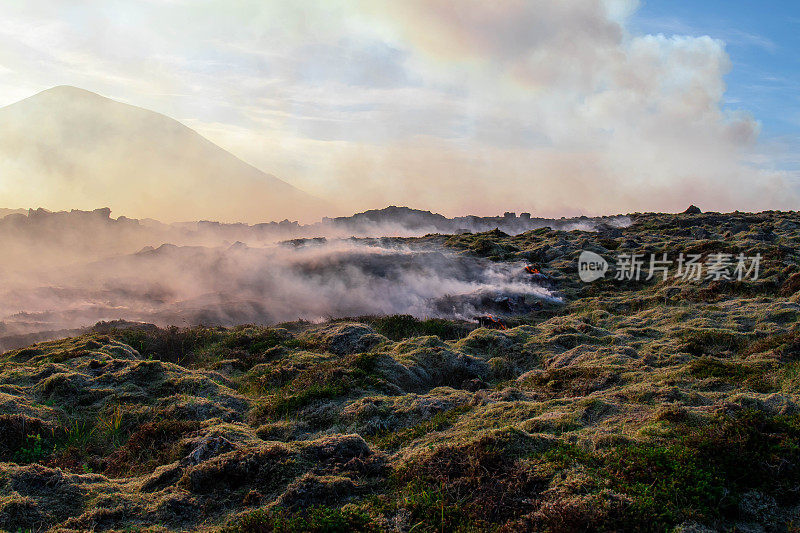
[(452, 105)]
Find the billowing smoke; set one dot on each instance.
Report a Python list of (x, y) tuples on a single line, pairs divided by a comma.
[(64, 271), (314, 280), (556, 107)]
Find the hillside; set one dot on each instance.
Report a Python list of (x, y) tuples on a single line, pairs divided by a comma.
[(67, 147), (633, 405)]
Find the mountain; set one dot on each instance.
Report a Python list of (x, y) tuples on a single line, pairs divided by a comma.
[(68, 147), (4, 211)]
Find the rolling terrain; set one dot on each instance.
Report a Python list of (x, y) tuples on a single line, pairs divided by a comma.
[(650, 405)]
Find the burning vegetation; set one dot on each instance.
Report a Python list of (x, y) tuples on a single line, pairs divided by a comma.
[(660, 405), (490, 322), (309, 280)]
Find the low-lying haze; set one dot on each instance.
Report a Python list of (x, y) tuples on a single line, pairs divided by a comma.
[(68, 270)]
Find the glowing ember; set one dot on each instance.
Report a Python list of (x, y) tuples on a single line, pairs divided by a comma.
[(488, 321)]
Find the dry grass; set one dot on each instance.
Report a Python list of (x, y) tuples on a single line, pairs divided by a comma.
[(630, 407)]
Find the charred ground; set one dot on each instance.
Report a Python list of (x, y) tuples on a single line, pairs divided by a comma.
[(632, 405)]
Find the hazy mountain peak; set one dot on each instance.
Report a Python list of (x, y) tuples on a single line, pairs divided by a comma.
[(70, 90), (68, 147), (66, 98)]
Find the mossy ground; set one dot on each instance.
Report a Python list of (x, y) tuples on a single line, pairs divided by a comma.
[(650, 406)]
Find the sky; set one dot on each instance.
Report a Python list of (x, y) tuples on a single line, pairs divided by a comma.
[(762, 40), (457, 106)]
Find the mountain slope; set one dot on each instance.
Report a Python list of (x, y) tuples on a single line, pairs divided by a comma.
[(67, 147)]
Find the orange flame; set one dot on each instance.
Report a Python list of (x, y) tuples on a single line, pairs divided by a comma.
[(498, 323)]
